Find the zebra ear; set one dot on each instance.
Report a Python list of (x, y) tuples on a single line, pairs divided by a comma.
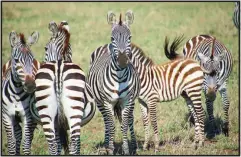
[(33, 38), (53, 27), (129, 17), (13, 38), (111, 18)]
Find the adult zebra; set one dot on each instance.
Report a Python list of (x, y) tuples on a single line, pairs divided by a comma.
[(114, 82), (217, 63), (63, 100), (236, 15), (17, 90)]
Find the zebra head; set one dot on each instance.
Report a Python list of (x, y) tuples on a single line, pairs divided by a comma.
[(210, 54), (58, 47), (121, 37), (23, 62)]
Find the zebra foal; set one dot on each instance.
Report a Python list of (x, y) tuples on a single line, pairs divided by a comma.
[(18, 88)]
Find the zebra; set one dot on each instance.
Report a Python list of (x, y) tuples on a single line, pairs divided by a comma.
[(18, 88), (115, 83), (216, 62), (164, 83), (236, 15), (63, 100)]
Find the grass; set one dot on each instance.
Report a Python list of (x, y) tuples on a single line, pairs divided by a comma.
[(153, 21)]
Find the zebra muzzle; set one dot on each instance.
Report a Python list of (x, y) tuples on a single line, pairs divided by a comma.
[(29, 84), (123, 59), (211, 93)]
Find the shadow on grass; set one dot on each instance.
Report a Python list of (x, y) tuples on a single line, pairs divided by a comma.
[(118, 145), (209, 129)]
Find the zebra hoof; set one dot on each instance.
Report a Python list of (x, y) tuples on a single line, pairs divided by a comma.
[(146, 147), (102, 151), (201, 143), (225, 129), (126, 152), (196, 145), (110, 151)]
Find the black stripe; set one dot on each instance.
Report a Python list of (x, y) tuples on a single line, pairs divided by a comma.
[(48, 66), (75, 76), (75, 88), (41, 107), (41, 97), (43, 87), (76, 98), (76, 116), (71, 66), (77, 108), (45, 116), (43, 75)]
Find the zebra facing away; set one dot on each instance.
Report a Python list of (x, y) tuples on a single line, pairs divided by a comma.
[(217, 63), (18, 88), (115, 83), (236, 15), (61, 94)]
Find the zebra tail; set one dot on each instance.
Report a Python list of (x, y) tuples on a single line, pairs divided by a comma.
[(172, 55), (90, 105), (117, 112), (62, 123)]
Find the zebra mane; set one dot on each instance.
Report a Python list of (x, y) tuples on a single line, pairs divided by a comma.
[(66, 42), (120, 20), (213, 48), (22, 38), (142, 54)]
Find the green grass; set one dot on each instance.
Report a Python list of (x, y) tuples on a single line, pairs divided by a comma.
[(153, 21)]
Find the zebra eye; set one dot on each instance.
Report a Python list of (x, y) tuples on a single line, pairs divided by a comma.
[(112, 39), (45, 48)]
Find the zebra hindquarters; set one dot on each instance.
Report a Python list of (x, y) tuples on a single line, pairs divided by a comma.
[(47, 107), (73, 103)]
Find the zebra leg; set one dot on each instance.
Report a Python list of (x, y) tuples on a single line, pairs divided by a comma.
[(124, 128), (153, 115), (74, 114), (145, 119), (29, 127), (212, 125), (132, 131), (198, 114), (18, 137), (50, 133), (8, 122), (226, 103), (108, 119)]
